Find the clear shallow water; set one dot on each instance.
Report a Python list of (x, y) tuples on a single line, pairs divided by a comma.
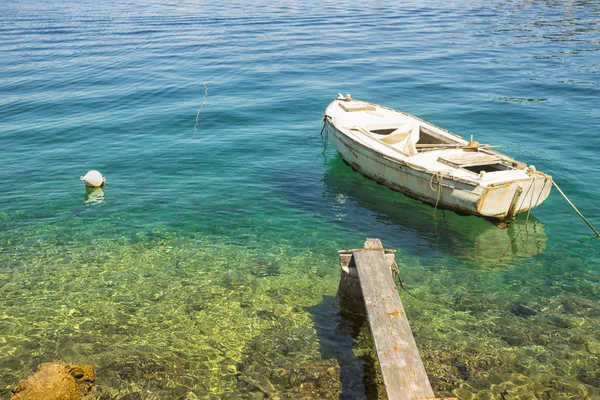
[(209, 260)]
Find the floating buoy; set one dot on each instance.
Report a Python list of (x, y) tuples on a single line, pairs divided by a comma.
[(93, 179)]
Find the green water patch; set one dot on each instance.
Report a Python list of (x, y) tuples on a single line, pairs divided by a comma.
[(160, 315), (165, 314)]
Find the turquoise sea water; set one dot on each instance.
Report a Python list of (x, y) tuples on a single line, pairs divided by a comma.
[(207, 265)]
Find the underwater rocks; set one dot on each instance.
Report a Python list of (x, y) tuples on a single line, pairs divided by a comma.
[(477, 302), (282, 363), (58, 380), (590, 376), (593, 347), (263, 270), (318, 380), (168, 375), (132, 366), (520, 310)]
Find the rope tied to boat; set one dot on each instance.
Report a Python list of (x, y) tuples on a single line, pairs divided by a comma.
[(323, 138), (575, 208), (532, 171), (324, 125), (532, 186), (438, 175)]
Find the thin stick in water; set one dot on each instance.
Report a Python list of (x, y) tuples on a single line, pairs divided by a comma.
[(201, 105)]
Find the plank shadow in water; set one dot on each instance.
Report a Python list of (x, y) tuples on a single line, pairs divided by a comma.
[(347, 338)]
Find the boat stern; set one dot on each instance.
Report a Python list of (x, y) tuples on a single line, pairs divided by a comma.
[(507, 200)]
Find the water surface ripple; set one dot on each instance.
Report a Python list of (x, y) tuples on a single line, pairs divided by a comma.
[(206, 268)]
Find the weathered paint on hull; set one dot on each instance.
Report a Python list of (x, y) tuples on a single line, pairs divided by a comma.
[(490, 202), (496, 200)]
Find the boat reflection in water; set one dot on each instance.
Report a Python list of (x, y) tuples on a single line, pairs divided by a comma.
[(407, 224), (94, 195)]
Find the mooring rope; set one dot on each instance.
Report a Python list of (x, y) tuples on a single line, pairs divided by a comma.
[(396, 272), (537, 202), (438, 176), (526, 220), (324, 138), (201, 105), (575, 208)]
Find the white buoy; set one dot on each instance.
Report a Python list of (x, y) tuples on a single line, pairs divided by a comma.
[(93, 179)]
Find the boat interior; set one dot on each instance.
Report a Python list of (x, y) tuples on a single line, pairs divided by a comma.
[(412, 138)]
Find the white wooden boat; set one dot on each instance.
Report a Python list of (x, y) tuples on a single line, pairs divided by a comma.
[(430, 164)]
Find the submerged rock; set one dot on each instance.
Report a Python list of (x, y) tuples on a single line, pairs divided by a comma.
[(282, 363), (58, 380), (264, 270), (514, 340), (521, 311), (318, 380), (132, 366), (556, 321)]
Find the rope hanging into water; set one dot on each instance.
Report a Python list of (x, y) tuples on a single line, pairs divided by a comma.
[(529, 211), (201, 105), (438, 176), (396, 272), (526, 220), (575, 208), (324, 137)]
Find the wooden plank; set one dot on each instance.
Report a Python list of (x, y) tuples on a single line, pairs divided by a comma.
[(401, 365), (469, 159)]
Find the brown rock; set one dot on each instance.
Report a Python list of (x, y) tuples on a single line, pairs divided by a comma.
[(58, 380)]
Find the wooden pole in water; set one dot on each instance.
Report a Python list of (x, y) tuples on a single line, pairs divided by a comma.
[(575, 208)]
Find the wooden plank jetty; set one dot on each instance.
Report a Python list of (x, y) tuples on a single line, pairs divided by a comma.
[(403, 372)]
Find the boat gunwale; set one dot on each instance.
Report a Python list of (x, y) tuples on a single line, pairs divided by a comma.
[(461, 139), (429, 200), (472, 180), (403, 163), (410, 165)]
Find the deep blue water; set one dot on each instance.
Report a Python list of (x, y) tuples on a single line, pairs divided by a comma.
[(205, 242)]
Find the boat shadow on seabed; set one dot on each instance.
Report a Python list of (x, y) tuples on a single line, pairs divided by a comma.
[(399, 219)]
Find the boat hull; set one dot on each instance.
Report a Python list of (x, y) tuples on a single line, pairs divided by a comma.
[(495, 201)]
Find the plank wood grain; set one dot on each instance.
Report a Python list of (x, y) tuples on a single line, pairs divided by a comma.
[(401, 365)]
